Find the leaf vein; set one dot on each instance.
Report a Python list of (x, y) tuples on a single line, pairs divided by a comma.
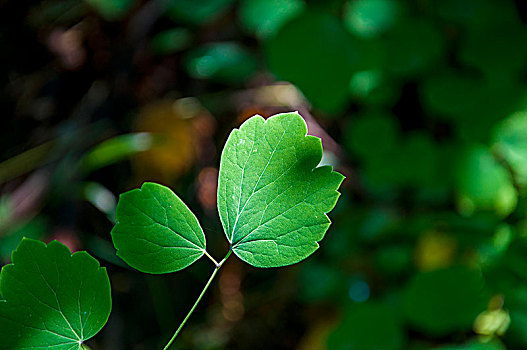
[(160, 224)]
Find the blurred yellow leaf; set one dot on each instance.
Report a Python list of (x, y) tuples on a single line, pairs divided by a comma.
[(175, 152), (435, 250), (492, 322)]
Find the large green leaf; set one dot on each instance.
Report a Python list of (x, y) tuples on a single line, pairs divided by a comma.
[(272, 197), (155, 231), (52, 299)]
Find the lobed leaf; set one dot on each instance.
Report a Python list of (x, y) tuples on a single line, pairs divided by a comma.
[(51, 298), (272, 197), (155, 231)]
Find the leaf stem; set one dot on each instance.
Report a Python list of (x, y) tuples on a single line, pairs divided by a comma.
[(210, 257), (218, 265)]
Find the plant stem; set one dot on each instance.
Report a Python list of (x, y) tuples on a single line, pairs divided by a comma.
[(210, 257), (218, 265)]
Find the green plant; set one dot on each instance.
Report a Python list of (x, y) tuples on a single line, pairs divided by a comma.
[(272, 202)]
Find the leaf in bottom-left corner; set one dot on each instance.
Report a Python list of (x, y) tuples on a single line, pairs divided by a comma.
[(51, 298)]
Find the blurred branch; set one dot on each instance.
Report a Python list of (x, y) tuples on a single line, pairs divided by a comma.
[(27, 161)]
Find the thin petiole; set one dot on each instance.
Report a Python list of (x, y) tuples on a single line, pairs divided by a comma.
[(225, 258), (210, 257), (218, 265)]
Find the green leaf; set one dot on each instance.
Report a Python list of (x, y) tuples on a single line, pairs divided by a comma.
[(362, 326), (170, 41), (265, 17), (496, 50), (374, 135), (316, 53), (155, 231), (510, 143), (456, 96), (112, 10), (476, 345), (225, 62), (197, 12), (483, 183), (272, 197), (413, 45), (444, 301), (52, 299), (370, 18), (116, 149)]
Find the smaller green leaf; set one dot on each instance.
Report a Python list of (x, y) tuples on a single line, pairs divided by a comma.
[(52, 299), (155, 231)]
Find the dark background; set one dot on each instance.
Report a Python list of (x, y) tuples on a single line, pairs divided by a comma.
[(421, 104)]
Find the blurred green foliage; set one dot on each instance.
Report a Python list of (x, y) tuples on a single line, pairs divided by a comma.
[(421, 104)]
